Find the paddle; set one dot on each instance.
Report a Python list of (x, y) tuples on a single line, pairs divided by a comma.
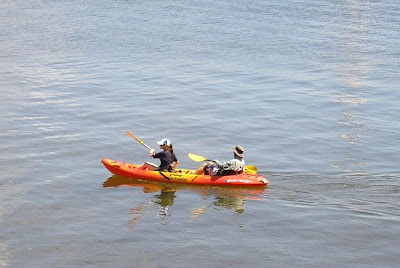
[(198, 158), (148, 147), (250, 169), (140, 141)]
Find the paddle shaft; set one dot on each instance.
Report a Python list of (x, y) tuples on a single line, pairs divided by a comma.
[(138, 140)]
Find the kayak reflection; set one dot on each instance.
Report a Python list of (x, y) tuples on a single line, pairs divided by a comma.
[(165, 199), (232, 198)]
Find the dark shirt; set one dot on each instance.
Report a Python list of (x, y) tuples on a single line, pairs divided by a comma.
[(166, 158)]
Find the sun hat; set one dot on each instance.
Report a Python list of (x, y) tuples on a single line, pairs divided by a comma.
[(238, 150), (164, 141)]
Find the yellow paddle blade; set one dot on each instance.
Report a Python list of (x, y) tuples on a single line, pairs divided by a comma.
[(138, 140), (130, 134), (197, 158), (250, 169)]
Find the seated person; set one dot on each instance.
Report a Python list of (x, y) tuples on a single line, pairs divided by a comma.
[(231, 167), (167, 157)]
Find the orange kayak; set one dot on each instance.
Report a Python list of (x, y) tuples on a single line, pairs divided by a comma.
[(183, 176)]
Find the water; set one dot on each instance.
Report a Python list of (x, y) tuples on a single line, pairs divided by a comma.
[(309, 88)]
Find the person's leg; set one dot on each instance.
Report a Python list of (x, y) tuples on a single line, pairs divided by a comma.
[(200, 170), (147, 165)]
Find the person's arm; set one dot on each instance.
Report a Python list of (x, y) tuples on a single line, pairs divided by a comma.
[(176, 162), (159, 154), (229, 165), (175, 165), (219, 164)]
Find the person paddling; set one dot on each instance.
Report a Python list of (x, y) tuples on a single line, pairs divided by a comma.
[(231, 167), (167, 157)]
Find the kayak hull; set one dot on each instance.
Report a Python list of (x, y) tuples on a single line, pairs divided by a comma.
[(183, 176)]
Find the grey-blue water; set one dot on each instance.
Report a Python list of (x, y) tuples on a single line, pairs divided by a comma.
[(308, 87)]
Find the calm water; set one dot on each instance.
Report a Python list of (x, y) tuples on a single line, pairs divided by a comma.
[(308, 87)]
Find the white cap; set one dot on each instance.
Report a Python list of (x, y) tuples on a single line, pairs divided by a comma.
[(164, 141)]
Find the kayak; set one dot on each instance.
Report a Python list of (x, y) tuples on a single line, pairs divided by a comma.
[(182, 176)]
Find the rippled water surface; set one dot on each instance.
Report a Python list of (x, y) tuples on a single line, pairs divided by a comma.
[(309, 88)]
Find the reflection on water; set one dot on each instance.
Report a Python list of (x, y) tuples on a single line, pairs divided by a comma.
[(137, 214), (165, 199), (3, 255), (236, 204), (232, 198), (353, 70)]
